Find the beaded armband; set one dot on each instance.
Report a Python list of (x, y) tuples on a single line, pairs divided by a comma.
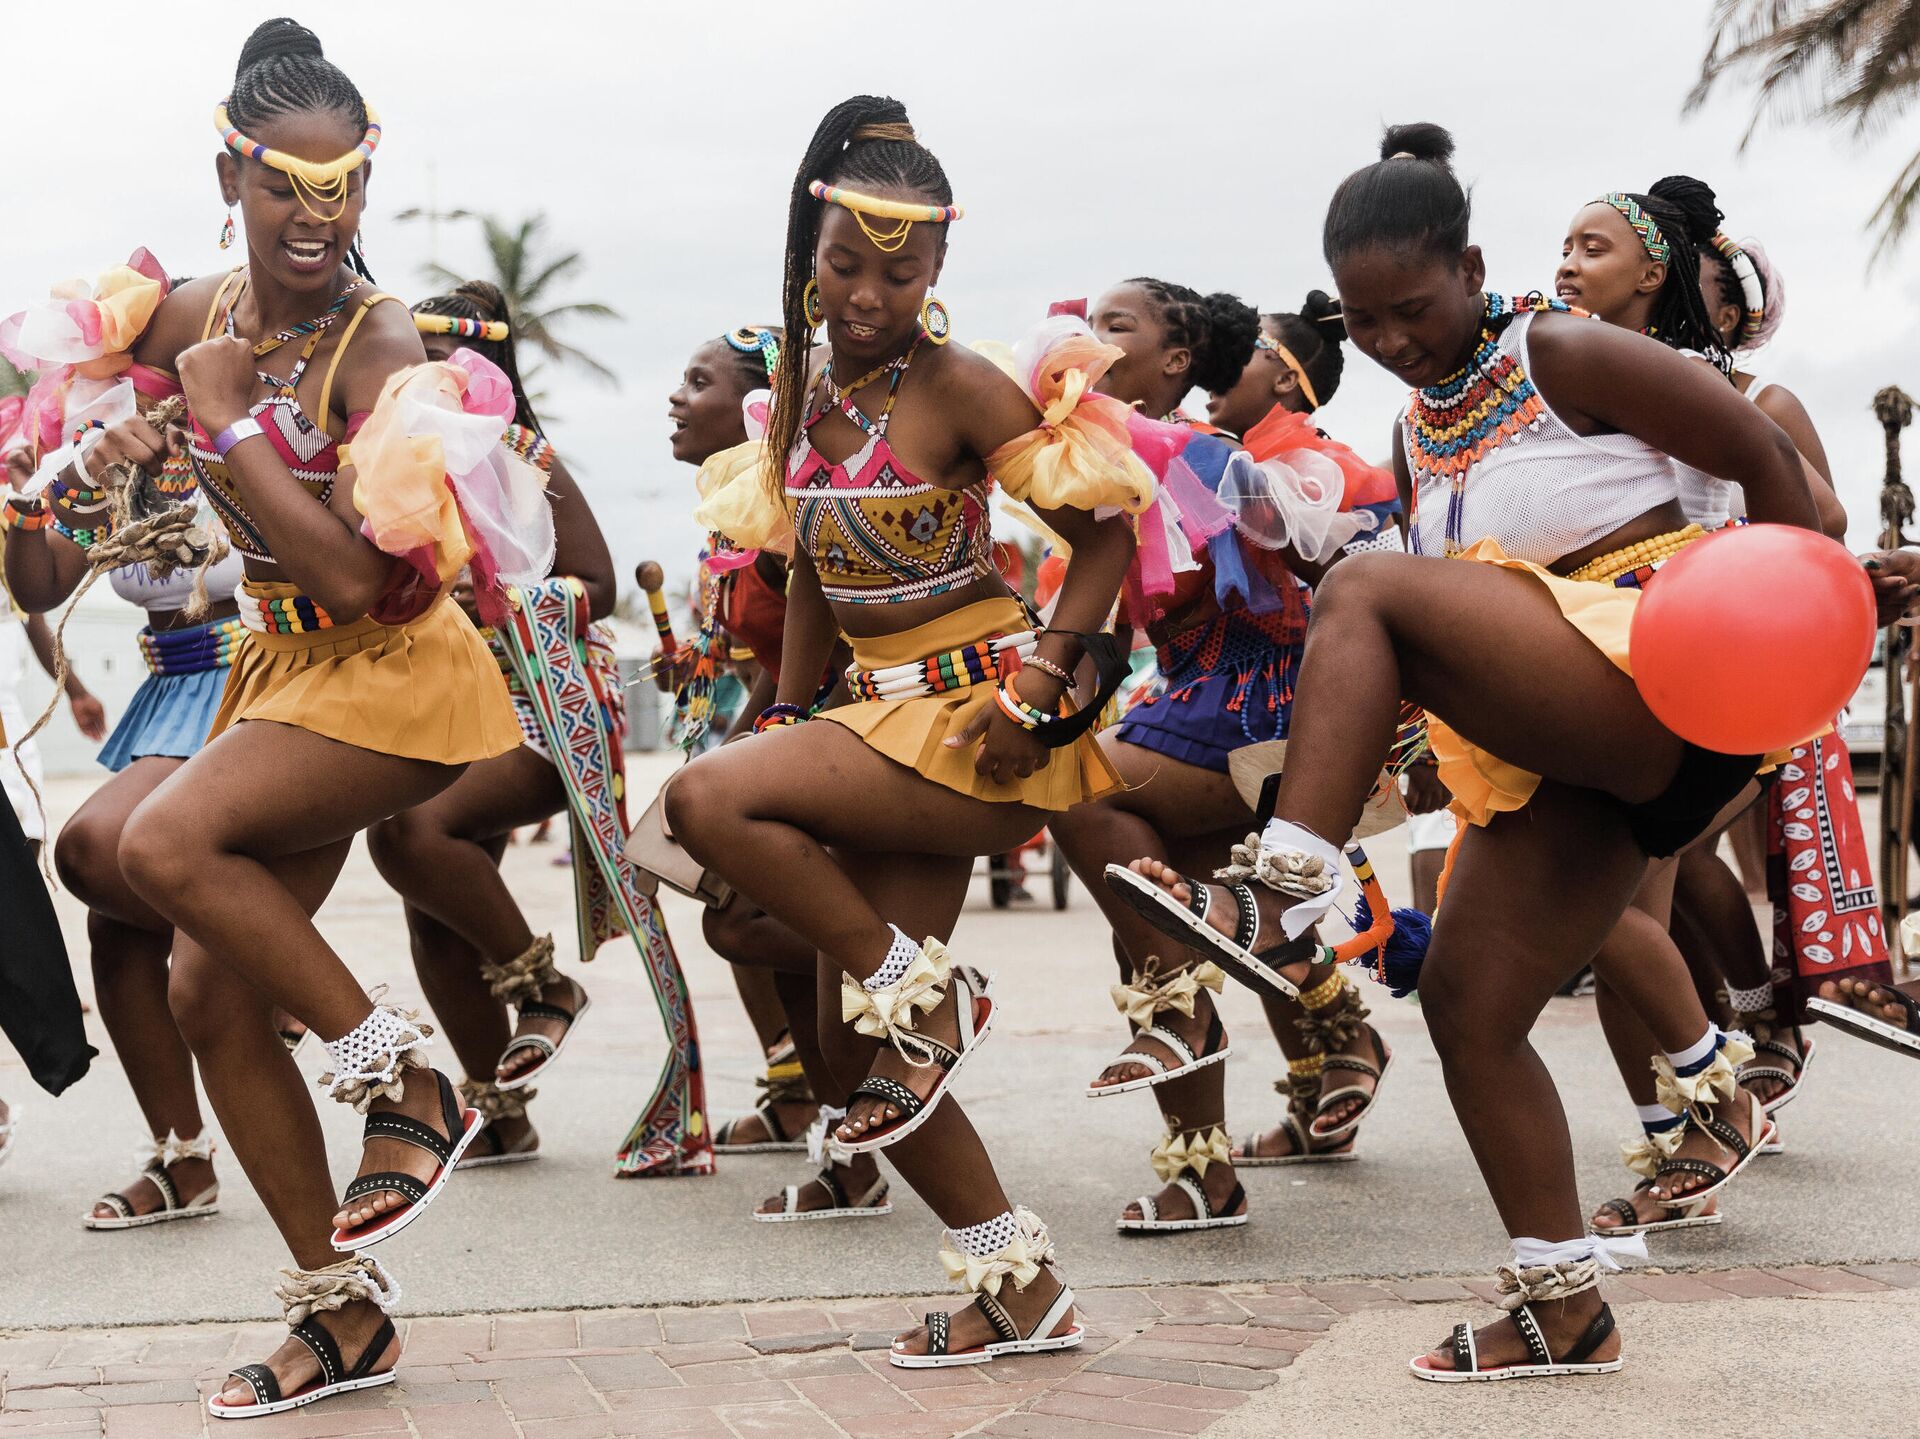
[(22, 514), (774, 716)]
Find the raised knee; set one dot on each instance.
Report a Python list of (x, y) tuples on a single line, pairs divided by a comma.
[(694, 799), (194, 997), (1449, 1014), (393, 843), (1356, 581), (86, 856), (156, 856)]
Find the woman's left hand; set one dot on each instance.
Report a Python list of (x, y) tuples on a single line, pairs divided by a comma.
[(218, 376), (1008, 752), (1896, 582)]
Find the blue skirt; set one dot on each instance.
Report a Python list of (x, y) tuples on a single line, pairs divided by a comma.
[(1229, 684), (169, 715)]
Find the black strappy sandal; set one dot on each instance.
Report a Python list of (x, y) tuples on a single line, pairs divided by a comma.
[(1789, 1072), (1038, 1340), (975, 1012), (335, 1376), (1214, 1049), (1376, 1071), (462, 1125), (1540, 1361), (872, 1205), (549, 1050), (1187, 922), (1744, 1152), (1860, 1025)]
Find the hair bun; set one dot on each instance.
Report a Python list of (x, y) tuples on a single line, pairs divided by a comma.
[(276, 37), (1322, 311), (1695, 201), (887, 130), (1421, 141), (1232, 329), (484, 296)]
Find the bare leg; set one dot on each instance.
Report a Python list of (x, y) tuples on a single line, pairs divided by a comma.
[(130, 944), (760, 951)]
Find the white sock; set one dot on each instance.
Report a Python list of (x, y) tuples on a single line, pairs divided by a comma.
[(1657, 1118), (901, 953), (1696, 1057), (988, 1238)]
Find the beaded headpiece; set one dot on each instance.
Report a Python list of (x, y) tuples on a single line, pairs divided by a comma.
[(905, 214), (1644, 225), (1752, 289), (752, 339), (1268, 343), (461, 328), (321, 180)]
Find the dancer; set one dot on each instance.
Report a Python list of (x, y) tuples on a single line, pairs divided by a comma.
[(472, 947), (859, 827), (187, 652), (1518, 409), (332, 718), (743, 608), (1228, 638)]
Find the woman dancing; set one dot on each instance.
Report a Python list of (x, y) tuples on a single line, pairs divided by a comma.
[(331, 719), (1228, 633), (1520, 656), (187, 653), (472, 947), (858, 828)]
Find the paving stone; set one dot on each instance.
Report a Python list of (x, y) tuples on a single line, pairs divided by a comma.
[(1349, 1298), (1181, 1299), (803, 1343), (619, 1331), (534, 1333), (1674, 1288), (792, 1420), (847, 1396), (711, 1351), (156, 1421), (1056, 1426), (1302, 1323), (697, 1326), (547, 1396), (640, 1370), (1898, 1276), (1194, 1394), (1111, 1386), (462, 1421), (1426, 1291), (707, 1396), (1160, 1418), (1116, 1304), (944, 1424), (792, 1319), (1752, 1284), (1212, 1354), (1176, 1371), (1829, 1281)]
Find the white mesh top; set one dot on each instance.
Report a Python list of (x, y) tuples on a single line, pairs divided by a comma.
[(1707, 501), (136, 585), (1544, 492)]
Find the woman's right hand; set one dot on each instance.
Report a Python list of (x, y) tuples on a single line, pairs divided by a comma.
[(133, 439)]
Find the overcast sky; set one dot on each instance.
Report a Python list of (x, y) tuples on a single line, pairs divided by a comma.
[(1087, 143)]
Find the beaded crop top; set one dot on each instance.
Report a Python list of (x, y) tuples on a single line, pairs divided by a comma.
[(309, 452), (876, 532), (1489, 458)]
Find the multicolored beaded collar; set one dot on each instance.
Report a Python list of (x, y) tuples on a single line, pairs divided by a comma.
[(1455, 424)]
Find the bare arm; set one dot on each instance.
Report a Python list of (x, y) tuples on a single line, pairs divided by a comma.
[(1600, 377), (42, 568), (580, 549), (810, 635), (1783, 407), (758, 698)]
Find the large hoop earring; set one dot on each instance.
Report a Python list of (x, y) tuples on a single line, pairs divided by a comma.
[(226, 232), (810, 305), (935, 321)]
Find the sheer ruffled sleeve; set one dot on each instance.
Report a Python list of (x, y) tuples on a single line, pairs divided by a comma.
[(436, 487), (1080, 456), (90, 329), (735, 500), (1293, 487)]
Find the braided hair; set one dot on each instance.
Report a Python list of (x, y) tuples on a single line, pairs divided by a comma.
[(1679, 318), (283, 71), (864, 141), (752, 364), (1219, 329), (1695, 198), (1408, 199), (1313, 337), (482, 300)]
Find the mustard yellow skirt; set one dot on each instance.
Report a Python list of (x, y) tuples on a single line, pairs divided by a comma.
[(913, 731), (426, 690)]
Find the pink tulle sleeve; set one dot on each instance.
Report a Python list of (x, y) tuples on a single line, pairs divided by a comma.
[(1080, 455), (436, 487), (90, 328)]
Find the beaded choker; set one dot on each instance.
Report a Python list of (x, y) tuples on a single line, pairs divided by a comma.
[(1455, 424), (324, 180)]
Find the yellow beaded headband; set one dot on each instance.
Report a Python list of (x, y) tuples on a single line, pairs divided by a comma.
[(460, 328), (324, 180), (905, 214), (1274, 347)]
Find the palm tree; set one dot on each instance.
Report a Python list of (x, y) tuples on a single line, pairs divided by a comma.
[(528, 280), (1853, 62)]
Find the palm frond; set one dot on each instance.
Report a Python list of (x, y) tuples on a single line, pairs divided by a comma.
[(1896, 212)]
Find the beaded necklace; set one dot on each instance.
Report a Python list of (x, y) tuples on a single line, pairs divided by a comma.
[(842, 400), (1454, 425), (314, 326)]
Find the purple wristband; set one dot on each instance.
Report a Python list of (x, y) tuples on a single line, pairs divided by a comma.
[(241, 429)]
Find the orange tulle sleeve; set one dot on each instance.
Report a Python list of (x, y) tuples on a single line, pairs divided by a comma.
[(1080, 456), (400, 476)]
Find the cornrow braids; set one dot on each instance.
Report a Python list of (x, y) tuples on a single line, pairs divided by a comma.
[(1679, 317), (864, 141), (284, 71), (480, 300), (1409, 199), (1219, 329)]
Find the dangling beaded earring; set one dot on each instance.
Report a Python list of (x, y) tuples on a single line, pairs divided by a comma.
[(226, 232), (810, 305), (935, 321)]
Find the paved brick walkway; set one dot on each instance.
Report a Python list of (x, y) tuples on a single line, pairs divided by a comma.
[(1156, 1362)]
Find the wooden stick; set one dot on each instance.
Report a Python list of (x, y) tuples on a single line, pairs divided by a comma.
[(652, 580)]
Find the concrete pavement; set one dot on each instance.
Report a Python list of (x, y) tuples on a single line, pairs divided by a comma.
[(562, 1233)]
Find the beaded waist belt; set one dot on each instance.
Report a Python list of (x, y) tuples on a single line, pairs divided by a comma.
[(279, 614), (191, 651), (982, 662), (1632, 566)]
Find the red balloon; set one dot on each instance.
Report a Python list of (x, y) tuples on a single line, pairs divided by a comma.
[(1753, 639)]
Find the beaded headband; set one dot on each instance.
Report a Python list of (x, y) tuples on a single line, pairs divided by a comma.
[(756, 339), (1644, 225), (325, 181), (461, 328), (1265, 342), (904, 213), (1752, 289)]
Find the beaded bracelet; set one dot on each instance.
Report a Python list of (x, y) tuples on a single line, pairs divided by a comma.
[(86, 539), (23, 514), (1018, 710), (1047, 666), (776, 715)]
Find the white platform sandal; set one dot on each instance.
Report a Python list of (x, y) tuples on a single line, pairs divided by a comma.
[(155, 1156), (1153, 992), (1180, 1154), (1521, 1285), (1021, 1260)]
